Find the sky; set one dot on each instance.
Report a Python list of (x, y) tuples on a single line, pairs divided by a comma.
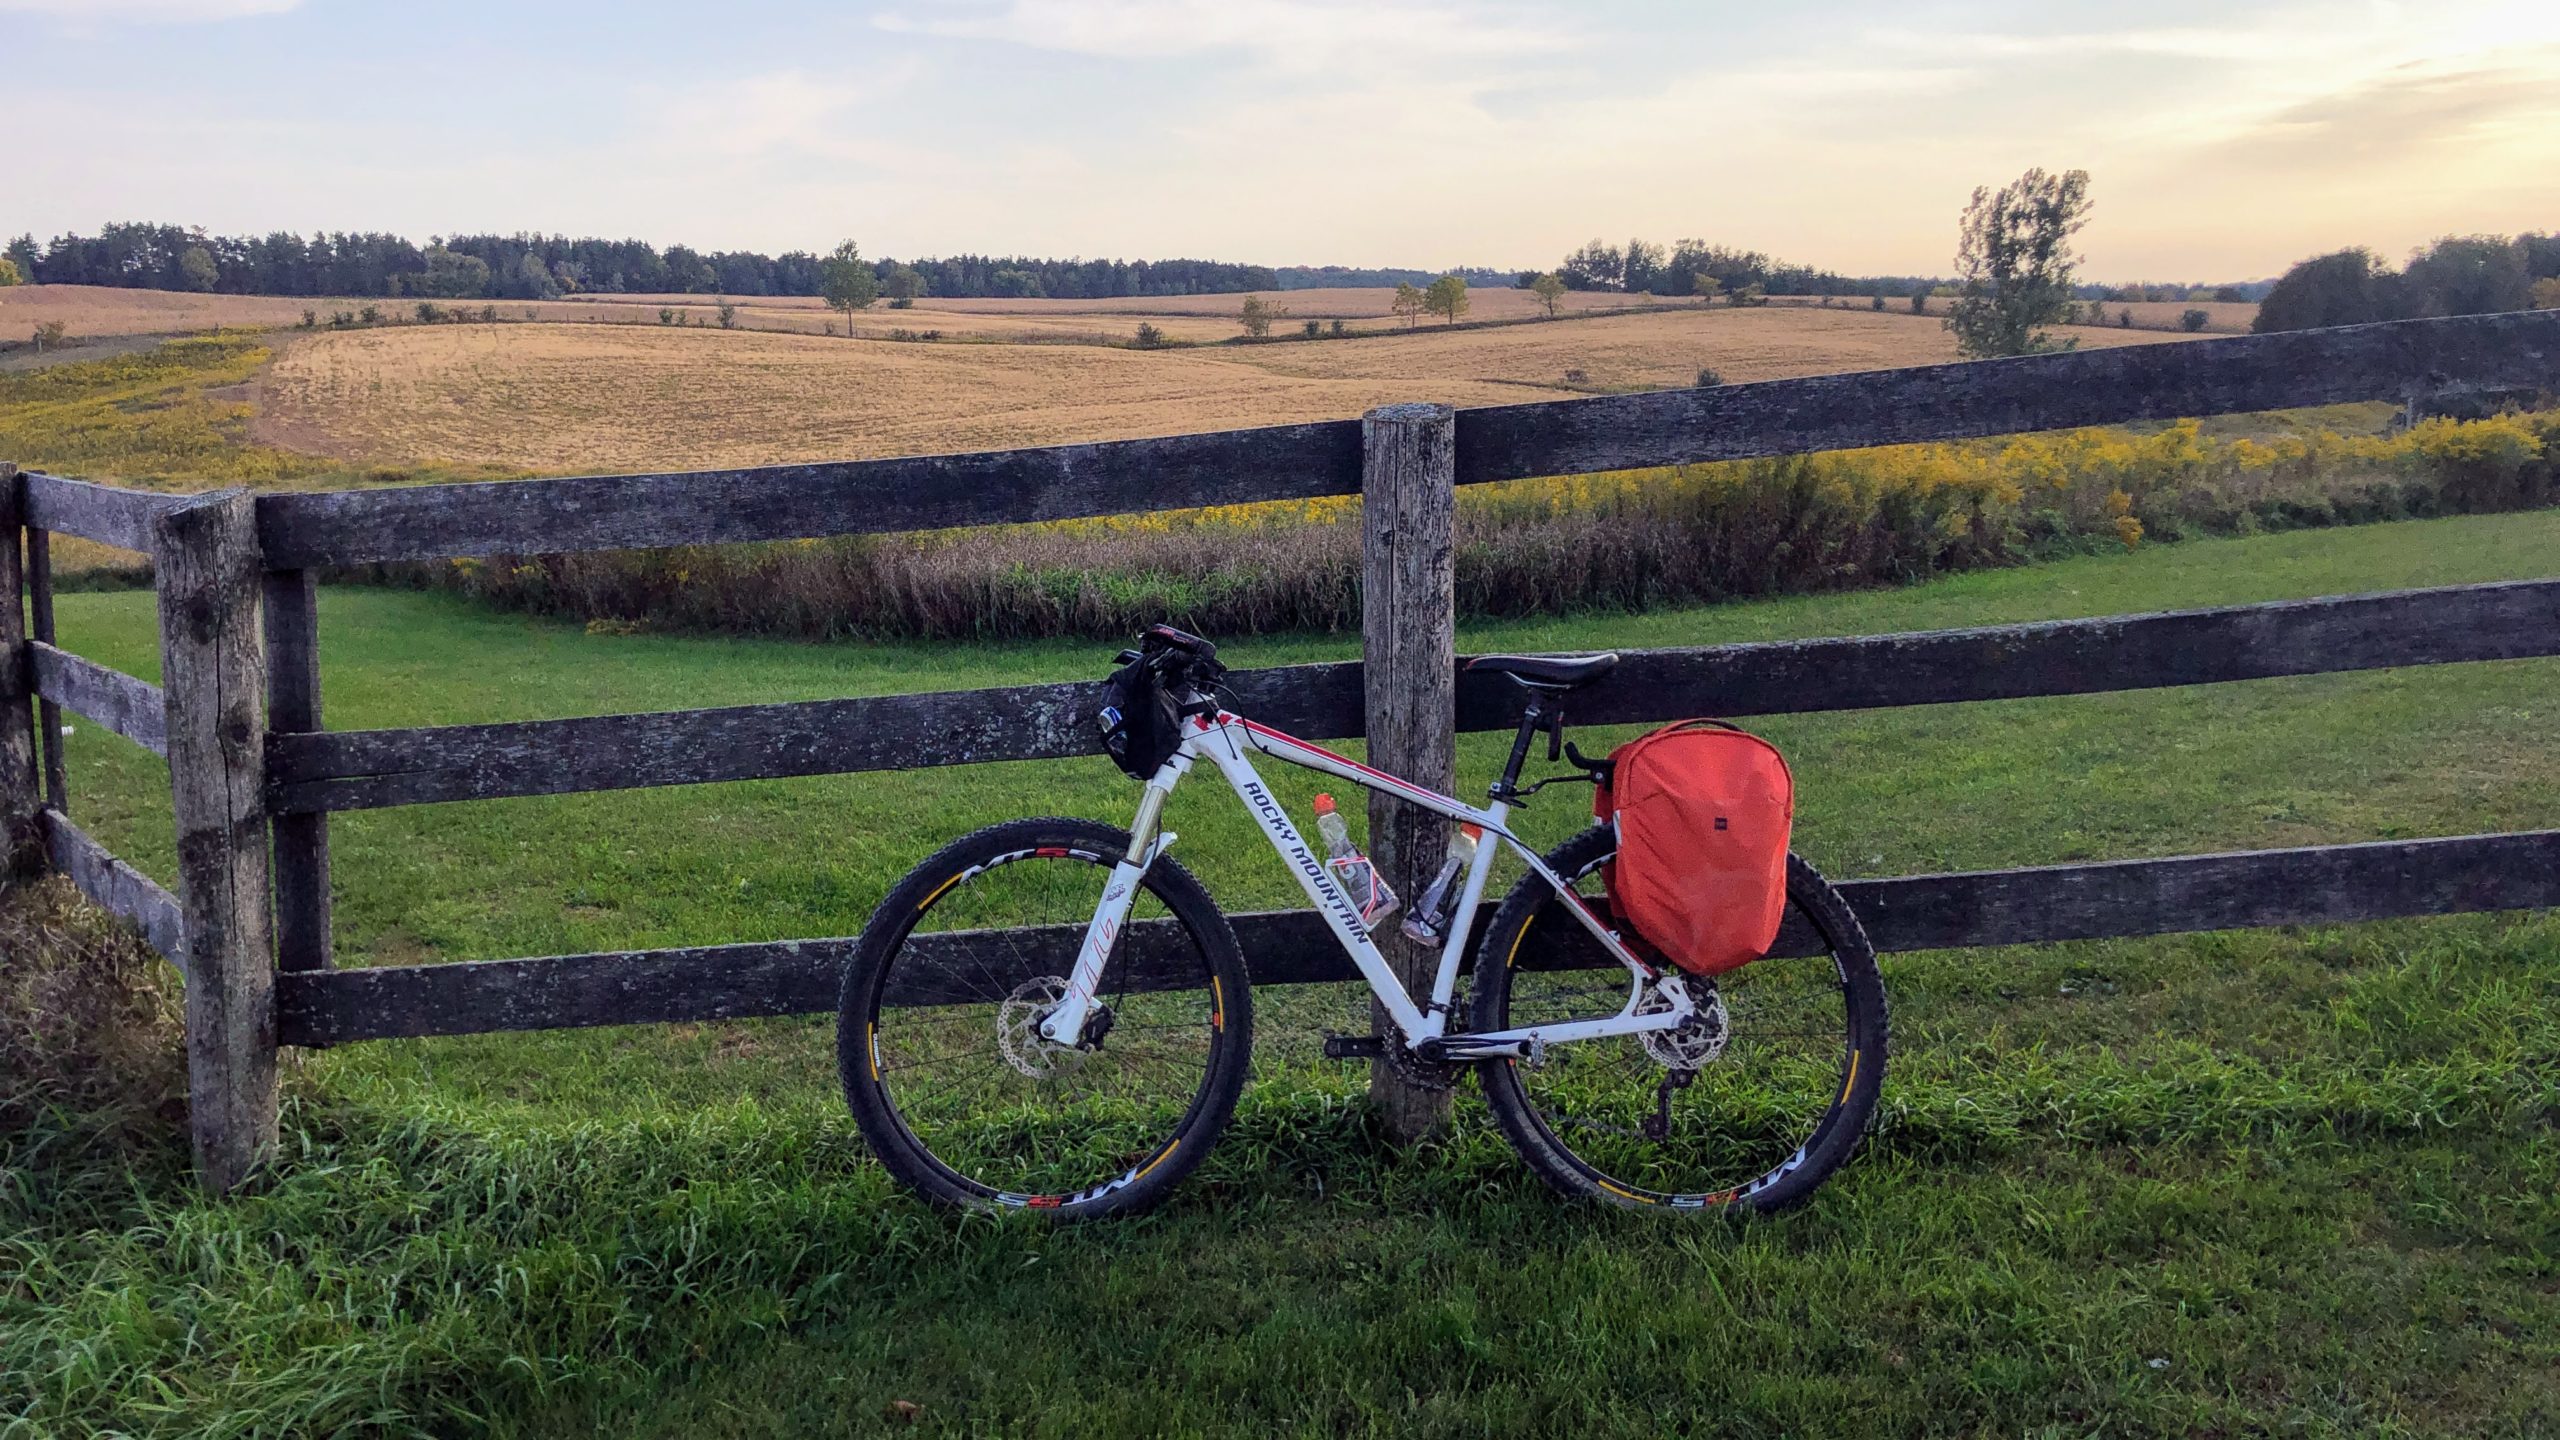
[(2224, 140)]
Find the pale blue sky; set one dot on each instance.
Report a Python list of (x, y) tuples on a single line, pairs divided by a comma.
[(2225, 139)]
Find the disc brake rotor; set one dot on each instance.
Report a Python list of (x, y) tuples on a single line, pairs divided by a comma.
[(1694, 1042), (1018, 1030)]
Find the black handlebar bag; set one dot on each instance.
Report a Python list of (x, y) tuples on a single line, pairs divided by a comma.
[(1141, 726)]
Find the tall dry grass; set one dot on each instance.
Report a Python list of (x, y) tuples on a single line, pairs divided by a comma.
[(1620, 541)]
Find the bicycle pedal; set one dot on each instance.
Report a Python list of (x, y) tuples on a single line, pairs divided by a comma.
[(1353, 1047)]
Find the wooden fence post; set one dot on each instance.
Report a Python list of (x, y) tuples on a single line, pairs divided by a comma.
[(214, 667), (293, 704), (21, 794), (39, 582), (1409, 650)]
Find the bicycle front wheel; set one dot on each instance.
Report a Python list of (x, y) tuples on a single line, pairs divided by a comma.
[(1751, 1104), (938, 1045)]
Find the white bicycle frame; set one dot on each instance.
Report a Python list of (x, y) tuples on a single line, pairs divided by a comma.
[(1227, 741)]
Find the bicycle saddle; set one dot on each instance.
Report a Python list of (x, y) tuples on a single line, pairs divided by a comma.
[(1547, 672)]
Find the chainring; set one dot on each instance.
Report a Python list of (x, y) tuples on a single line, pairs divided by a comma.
[(1415, 1070)]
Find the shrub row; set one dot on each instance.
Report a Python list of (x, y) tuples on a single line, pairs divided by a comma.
[(1623, 541)]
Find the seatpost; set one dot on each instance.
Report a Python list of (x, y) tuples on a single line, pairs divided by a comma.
[(1507, 789)]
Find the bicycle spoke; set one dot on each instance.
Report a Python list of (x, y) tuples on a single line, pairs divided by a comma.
[(975, 1085)]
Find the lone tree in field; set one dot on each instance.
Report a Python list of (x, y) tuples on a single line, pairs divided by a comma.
[(1408, 303), (1257, 315), (848, 282), (1447, 297), (1704, 286), (2015, 262), (1549, 289)]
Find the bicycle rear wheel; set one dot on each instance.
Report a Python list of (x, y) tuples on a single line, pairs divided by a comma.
[(937, 1043), (1750, 1105)]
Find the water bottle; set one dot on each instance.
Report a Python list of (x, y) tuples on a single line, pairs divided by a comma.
[(1428, 921), (1352, 870)]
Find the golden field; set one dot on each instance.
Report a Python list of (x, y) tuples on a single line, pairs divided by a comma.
[(608, 397), (97, 312), (1652, 351), (2223, 317), (1110, 321), (89, 311), (92, 312)]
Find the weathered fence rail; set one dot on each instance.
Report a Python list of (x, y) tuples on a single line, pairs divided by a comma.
[(369, 769), (2327, 884), (255, 776)]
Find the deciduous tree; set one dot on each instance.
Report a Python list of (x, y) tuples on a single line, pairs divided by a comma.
[(848, 282), (2343, 287), (1596, 266), (1549, 289), (1447, 297), (196, 264), (903, 285), (2016, 263), (1408, 303), (2471, 275), (1642, 266)]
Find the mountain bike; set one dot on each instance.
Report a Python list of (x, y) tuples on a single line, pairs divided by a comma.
[(1053, 1015)]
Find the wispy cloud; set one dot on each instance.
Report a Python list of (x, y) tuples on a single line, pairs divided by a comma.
[(147, 10), (2409, 110), (1294, 34)]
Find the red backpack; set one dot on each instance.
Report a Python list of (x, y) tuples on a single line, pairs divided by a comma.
[(1702, 811)]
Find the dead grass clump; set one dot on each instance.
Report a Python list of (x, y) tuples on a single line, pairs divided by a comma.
[(89, 1021)]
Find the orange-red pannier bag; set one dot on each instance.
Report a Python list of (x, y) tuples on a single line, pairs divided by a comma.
[(1703, 811)]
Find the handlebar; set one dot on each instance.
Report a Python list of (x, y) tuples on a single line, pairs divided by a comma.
[(1178, 657)]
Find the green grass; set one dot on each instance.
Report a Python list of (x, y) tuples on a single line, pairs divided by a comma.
[(2310, 1174)]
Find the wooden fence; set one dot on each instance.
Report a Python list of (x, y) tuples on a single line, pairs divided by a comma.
[(255, 775)]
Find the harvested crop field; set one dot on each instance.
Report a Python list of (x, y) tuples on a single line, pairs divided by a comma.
[(97, 310), (610, 397), (1650, 351), (1346, 302), (102, 311), (605, 397), (1196, 318)]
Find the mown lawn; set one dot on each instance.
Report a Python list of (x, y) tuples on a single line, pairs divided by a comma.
[(2284, 1182)]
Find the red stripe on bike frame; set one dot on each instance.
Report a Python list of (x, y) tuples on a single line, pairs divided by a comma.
[(1405, 785)]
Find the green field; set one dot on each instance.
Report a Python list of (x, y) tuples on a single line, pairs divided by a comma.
[(2297, 1182)]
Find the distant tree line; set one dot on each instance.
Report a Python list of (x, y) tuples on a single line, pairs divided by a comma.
[(546, 267), (1643, 267), (2457, 275), (1329, 277)]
